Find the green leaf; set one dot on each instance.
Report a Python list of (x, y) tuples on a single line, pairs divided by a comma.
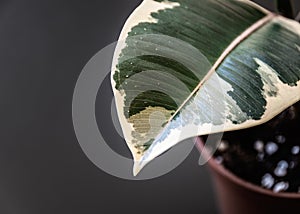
[(184, 68)]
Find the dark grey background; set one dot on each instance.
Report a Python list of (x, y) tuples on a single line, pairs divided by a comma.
[(44, 44)]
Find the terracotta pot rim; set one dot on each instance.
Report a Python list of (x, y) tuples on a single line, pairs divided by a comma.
[(235, 179)]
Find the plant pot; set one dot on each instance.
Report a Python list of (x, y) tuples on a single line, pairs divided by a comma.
[(238, 196)]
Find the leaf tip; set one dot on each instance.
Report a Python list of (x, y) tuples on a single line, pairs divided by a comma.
[(136, 169)]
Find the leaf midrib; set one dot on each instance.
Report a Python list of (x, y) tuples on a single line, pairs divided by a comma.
[(244, 35)]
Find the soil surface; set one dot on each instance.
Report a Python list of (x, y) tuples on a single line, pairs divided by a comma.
[(267, 155)]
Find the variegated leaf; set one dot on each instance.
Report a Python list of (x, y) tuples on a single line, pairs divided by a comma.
[(184, 68)]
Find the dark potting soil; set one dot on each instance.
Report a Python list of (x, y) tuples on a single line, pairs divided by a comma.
[(267, 155)]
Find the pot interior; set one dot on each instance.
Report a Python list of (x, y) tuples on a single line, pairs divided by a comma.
[(267, 155)]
